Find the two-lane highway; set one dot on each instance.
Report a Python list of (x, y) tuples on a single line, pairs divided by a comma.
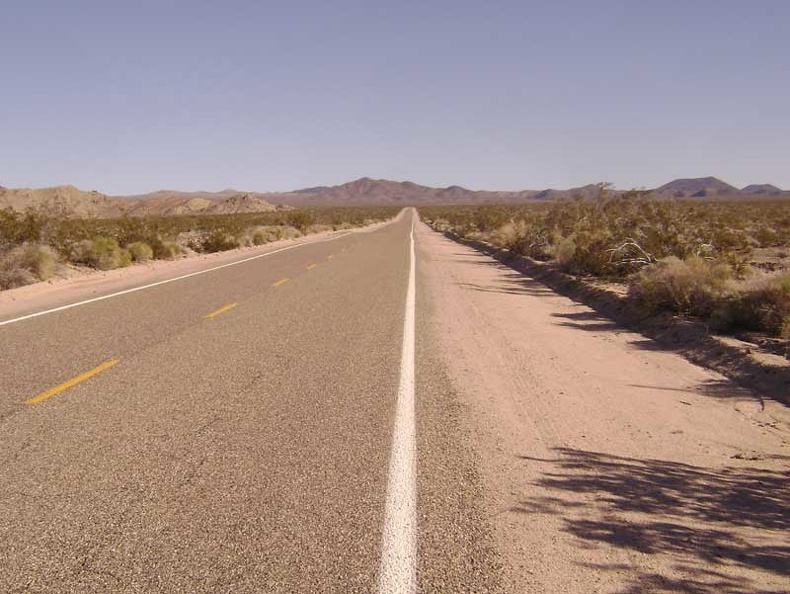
[(226, 432)]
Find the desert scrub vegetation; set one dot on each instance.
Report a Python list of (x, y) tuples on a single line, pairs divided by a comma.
[(697, 258), (25, 264), (33, 242)]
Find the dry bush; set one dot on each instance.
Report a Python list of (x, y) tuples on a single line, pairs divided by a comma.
[(261, 235), (102, 253), (140, 251), (165, 249), (761, 304), (26, 264), (318, 228), (562, 251), (510, 235), (693, 286)]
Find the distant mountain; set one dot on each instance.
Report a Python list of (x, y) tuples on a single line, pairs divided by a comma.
[(71, 201), (697, 187), (767, 189), (588, 191), (386, 192)]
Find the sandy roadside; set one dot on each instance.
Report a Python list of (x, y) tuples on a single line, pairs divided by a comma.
[(608, 464)]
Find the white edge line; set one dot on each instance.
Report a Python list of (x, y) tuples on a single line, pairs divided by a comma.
[(163, 282), (398, 569)]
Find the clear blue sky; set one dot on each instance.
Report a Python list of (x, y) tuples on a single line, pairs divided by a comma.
[(132, 96)]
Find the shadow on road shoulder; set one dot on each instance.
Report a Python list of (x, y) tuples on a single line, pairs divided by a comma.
[(720, 530)]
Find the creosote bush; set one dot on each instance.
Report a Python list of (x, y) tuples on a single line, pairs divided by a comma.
[(693, 286), (691, 257), (140, 251), (102, 253), (26, 264), (762, 304)]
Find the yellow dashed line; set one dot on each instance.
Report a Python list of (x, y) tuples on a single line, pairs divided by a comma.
[(311, 266), (330, 256), (222, 309), (279, 282), (72, 382)]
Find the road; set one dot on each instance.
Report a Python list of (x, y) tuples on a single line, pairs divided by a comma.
[(243, 452), (233, 431)]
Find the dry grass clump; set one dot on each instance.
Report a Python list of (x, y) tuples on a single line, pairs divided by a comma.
[(26, 264)]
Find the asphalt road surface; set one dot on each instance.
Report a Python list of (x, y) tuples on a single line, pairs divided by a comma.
[(229, 432), (377, 411)]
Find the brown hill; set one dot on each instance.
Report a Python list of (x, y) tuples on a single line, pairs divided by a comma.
[(764, 189), (697, 187), (167, 202), (63, 200), (241, 203), (386, 192), (172, 202)]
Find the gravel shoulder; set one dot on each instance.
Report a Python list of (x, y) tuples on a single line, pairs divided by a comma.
[(607, 463)]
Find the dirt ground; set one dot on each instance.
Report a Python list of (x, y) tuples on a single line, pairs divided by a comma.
[(608, 464)]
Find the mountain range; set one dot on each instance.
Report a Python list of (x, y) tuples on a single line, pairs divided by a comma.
[(71, 201)]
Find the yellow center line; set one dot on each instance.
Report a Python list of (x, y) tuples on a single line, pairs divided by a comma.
[(222, 309), (281, 281), (72, 382), (311, 266), (330, 256)]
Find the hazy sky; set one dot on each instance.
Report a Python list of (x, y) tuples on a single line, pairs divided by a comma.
[(131, 96)]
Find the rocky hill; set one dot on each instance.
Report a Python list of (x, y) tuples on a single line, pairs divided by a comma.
[(697, 187), (171, 202), (68, 201), (62, 200)]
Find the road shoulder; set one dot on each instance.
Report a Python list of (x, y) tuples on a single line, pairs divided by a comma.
[(607, 464)]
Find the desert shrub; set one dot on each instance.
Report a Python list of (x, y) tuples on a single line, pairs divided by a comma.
[(762, 305), (301, 219), (102, 253), (693, 286), (164, 250), (318, 228), (288, 232), (19, 228), (217, 240), (261, 236), (140, 251), (562, 251), (510, 236), (11, 277), (26, 264)]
